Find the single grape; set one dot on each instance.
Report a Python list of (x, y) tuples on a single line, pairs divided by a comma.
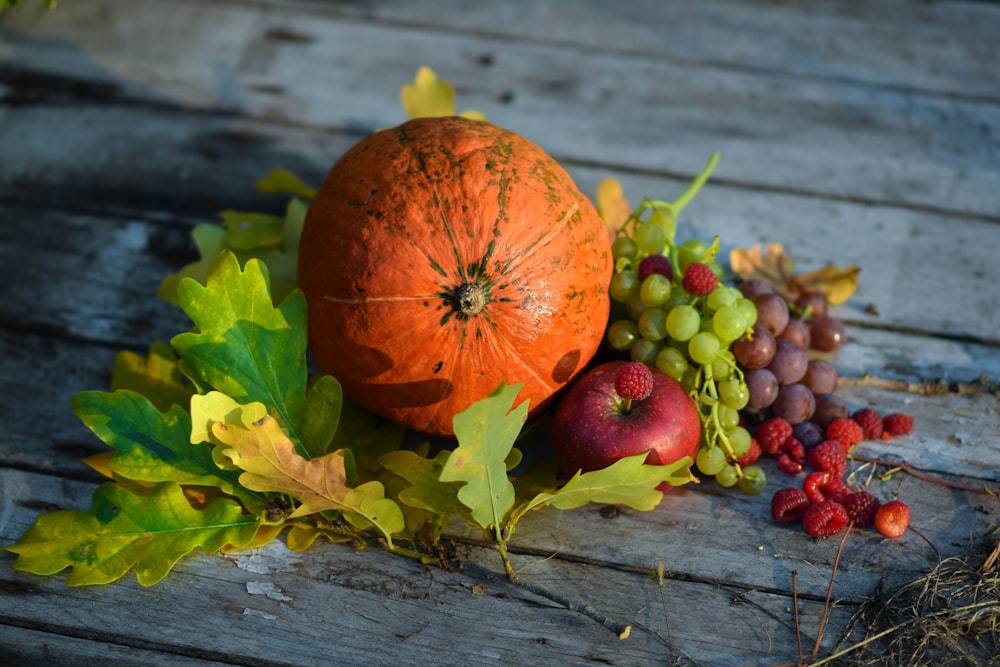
[(763, 388), (728, 323), (655, 290), (665, 220), (683, 322), (721, 297), (653, 324), (827, 334), (728, 476), (622, 285), (789, 363), (795, 403), (650, 238), (797, 331), (622, 334), (723, 365), (755, 351), (814, 304), (703, 347), (753, 480), (734, 393), (828, 408), (739, 440), (754, 287), (748, 309), (634, 308), (772, 312), (645, 351), (809, 433), (625, 247), (692, 250), (709, 460), (729, 418), (672, 361), (820, 377)]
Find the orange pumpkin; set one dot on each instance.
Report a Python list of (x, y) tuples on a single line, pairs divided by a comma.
[(445, 256)]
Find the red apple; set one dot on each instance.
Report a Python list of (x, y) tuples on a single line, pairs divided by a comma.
[(594, 426)]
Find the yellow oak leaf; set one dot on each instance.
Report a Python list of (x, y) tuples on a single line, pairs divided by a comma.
[(836, 282), (271, 464), (430, 96), (777, 269), (612, 204)]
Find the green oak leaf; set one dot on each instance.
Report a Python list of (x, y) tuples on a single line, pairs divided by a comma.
[(627, 481), (284, 181), (210, 240), (486, 432), (249, 231), (153, 446), (123, 531), (156, 376), (423, 488), (245, 347)]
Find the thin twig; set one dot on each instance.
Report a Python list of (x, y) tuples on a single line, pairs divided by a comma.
[(795, 611), (926, 477), (829, 592)]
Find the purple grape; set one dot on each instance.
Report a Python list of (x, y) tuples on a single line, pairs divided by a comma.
[(755, 352), (814, 303), (820, 377), (827, 334), (789, 363), (795, 403), (797, 331), (754, 287), (829, 407), (809, 433), (763, 388), (772, 312)]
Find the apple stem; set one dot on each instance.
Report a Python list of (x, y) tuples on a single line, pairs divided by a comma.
[(627, 408)]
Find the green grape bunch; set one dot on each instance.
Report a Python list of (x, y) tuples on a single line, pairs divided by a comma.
[(685, 333)]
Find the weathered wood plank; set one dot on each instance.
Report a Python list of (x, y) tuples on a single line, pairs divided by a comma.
[(831, 138), (92, 157), (337, 605)]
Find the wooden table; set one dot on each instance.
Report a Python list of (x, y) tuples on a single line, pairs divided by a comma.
[(855, 133)]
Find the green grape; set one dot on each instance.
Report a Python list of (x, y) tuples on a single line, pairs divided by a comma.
[(748, 309), (689, 378), (649, 238), (634, 308), (723, 365), (678, 297), (622, 334), (716, 268), (623, 246), (728, 417), (672, 361), (710, 460), (728, 323), (645, 351), (720, 297), (703, 347), (728, 476), (653, 324), (753, 480), (692, 250), (734, 393), (622, 285), (665, 220), (683, 322), (655, 290), (739, 440)]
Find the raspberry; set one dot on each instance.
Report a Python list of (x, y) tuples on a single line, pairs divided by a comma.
[(870, 422), (752, 454), (795, 450), (892, 518), (825, 519), (699, 279), (846, 431), (655, 264), (828, 456), (788, 464), (820, 486), (772, 433), (897, 423), (861, 507), (788, 505), (634, 381)]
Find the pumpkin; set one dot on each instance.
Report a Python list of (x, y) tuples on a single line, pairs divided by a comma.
[(445, 256)]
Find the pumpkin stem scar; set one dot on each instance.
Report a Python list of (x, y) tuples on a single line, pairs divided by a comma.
[(470, 299)]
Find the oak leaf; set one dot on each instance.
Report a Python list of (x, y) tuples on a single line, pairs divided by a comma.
[(771, 265)]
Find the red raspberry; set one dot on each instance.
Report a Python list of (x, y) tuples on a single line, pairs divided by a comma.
[(699, 279), (788, 505), (796, 450), (634, 381), (892, 518), (846, 431), (752, 454), (861, 507), (897, 423), (788, 464), (772, 433), (655, 264), (870, 422), (820, 486), (828, 456), (825, 519)]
